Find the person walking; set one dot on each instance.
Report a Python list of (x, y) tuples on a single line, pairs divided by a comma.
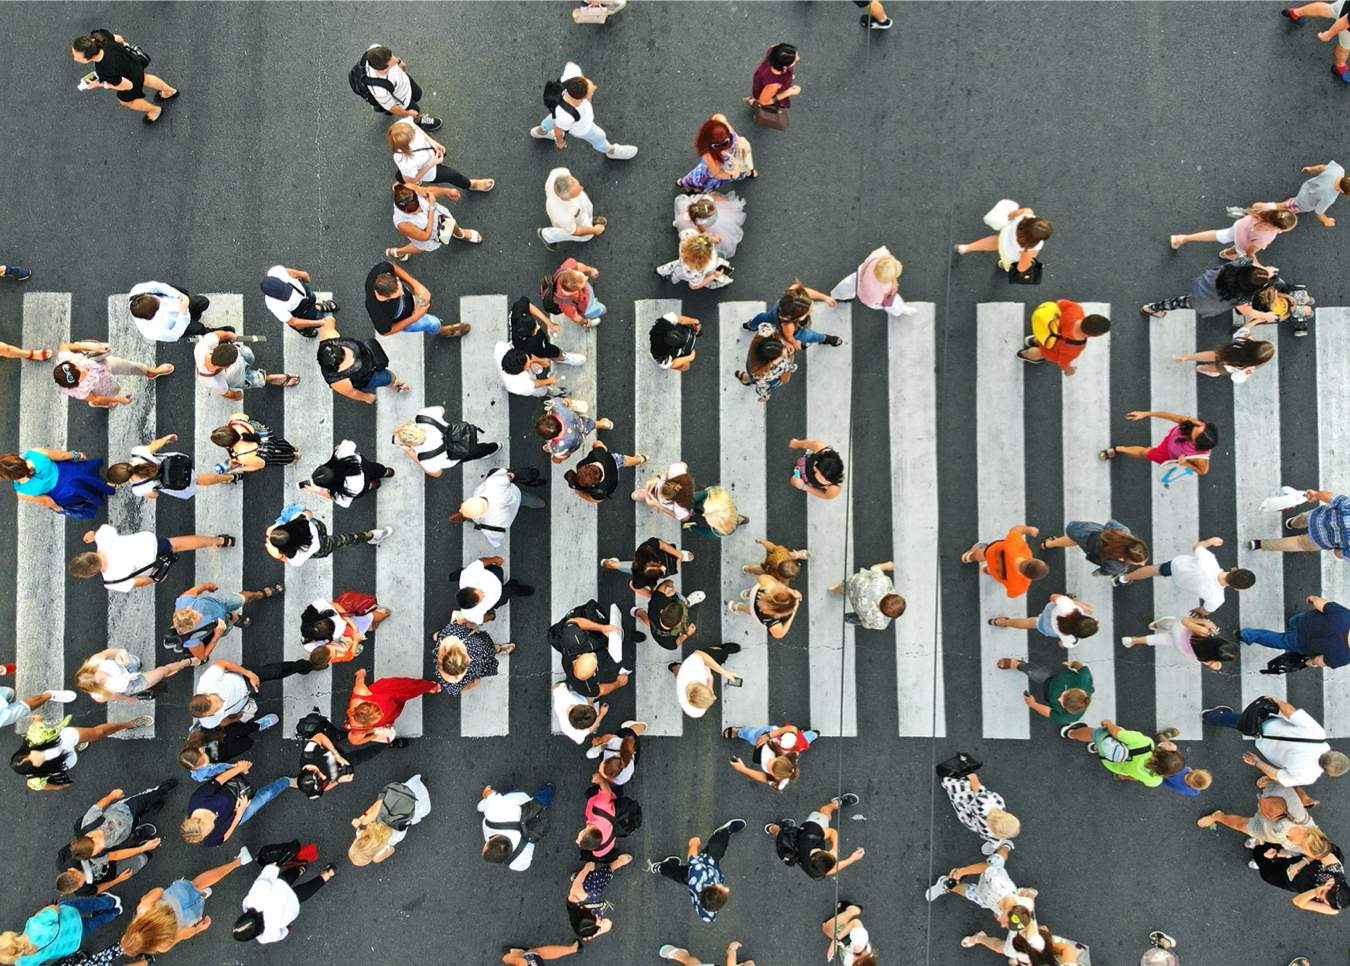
[(385, 824), (1327, 525), (84, 370), (596, 475), (1339, 29), (983, 811), (653, 560), (165, 917), (772, 87), (437, 445), (871, 597), (618, 752), (483, 587), (419, 159), (13, 709), (1020, 237), (321, 764), (1188, 444), (273, 902), (814, 845), (49, 753), (776, 752), (768, 363), (849, 939), (165, 313), (1059, 332), (1130, 755), (1237, 359), (298, 535), (225, 368), (288, 296), (372, 710), (1278, 813), (570, 292), (564, 427), (227, 692), (219, 806), (57, 930), (1009, 561), (397, 302), (1318, 193), (202, 616), (62, 481), (723, 157), (876, 284), (672, 339), (699, 263), (152, 472), (568, 101), (512, 823), (779, 562), (115, 674), (1321, 636), (1065, 620), (701, 872), (135, 560), (669, 614), (586, 905), (694, 689), (1228, 288), (120, 67), (424, 221), (332, 631), (114, 821), (250, 445), (464, 655), (347, 476), (719, 216), (494, 504), (1066, 691), (1195, 637), (205, 751), (772, 603), (820, 472), (570, 212), (989, 891), (350, 367), (790, 316), (577, 717), (1110, 545), (390, 88), (1292, 743), (1251, 233), (1198, 573)]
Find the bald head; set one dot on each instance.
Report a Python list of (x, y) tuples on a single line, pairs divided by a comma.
[(473, 508)]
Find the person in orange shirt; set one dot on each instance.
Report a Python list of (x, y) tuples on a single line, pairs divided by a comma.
[(1059, 332), (1009, 561)]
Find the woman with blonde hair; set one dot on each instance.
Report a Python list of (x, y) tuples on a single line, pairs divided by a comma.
[(700, 264), (982, 811), (1281, 819), (713, 513), (419, 158), (115, 675), (1251, 233), (165, 917), (56, 931), (379, 828), (465, 654), (1237, 359), (773, 603), (876, 284)]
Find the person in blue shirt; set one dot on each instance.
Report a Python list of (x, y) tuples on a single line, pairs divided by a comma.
[(1189, 781), (1327, 526), (1321, 635), (702, 874)]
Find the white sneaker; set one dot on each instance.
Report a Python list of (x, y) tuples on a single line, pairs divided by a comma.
[(379, 536), (938, 888), (1127, 641), (621, 152), (633, 612), (63, 697), (573, 359), (595, 751), (697, 597), (541, 134), (267, 721), (245, 856)]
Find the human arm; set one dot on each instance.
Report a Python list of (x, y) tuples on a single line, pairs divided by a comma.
[(714, 666), (231, 667), (1341, 23), (1142, 414), (857, 854), (1314, 900), (588, 270), (757, 774), (707, 279), (576, 893), (1030, 701), (1210, 542), (160, 443), (117, 855), (368, 816), (820, 296), (60, 455), (587, 625), (344, 387), (884, 566), (1025, 531)]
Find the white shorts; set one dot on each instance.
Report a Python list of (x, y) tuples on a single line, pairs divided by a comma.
[(820, 818)]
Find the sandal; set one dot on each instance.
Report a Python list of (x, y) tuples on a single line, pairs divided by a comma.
[(744, 379), (39, 355), (225, 540), (1228, 253), (1008, 663), (833, 340), (327, 306), (968, 556), (994, 622), (1207, 821), (729, 732), (160, 370), (1106, 454), (291, 379), (242, 622), (973, 939), (274, 589), (1045, 544), (1156, 313), (491, 183), (1175, 241), (470, 236), (503, 648), (393, 253)]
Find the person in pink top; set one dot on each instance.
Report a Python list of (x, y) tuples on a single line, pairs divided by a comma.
[(1188, 443), (1250, 234), (875, 284)]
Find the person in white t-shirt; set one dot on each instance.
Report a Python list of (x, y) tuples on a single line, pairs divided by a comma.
[(1199, 574), (273, 902), (523, 375), (125, 562), (287, 295), (686, 958), (694, 678), (423, 440), (505, 824), (393, 88), (483, 588), (225, 690), (226, 368), (569, 210), (848, 936), (1293, 744), (494, 505), (420, 159), (577, 717), (573, 113), (143, 473)]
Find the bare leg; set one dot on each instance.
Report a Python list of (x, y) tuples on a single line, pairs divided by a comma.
[(989, 942), (835, 588), (210, 877), (8, 351), (739, 608), (989, 243), (1236, 822), (1200, 236), (1195, 357), (876, 11), (1137, 452), (167, 671), (152, 81), (1019, 623), (409, 249), (143, 106), (37, 700), (102, 731), (194, 542), (211, 479), (755, 569)]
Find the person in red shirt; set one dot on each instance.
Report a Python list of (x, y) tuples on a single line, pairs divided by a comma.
[(1009, 561), (598, 839), (1059, 332), (573, 294)]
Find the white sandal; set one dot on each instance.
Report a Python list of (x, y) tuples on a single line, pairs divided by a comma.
[(470, 236)]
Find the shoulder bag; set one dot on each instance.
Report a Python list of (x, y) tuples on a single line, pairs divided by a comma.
[(1032, 276), (771, 115), (960, 765), (156, 570)]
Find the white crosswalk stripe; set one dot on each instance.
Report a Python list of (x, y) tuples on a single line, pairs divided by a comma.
[(1333, 451)]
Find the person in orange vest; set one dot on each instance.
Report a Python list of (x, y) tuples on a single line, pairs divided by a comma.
[(1059, 332), (1009, 561)]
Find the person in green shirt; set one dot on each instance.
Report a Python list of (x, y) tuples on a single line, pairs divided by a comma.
[(1132, 756), (1066, 691)]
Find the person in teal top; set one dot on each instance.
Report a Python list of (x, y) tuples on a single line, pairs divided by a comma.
[(56, 931), (58, 479), (1132, 756), (1066, 691)]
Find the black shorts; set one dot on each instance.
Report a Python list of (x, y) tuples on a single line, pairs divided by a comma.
[(135, 93)]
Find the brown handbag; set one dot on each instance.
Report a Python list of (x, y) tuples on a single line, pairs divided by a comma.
[(771, 115)]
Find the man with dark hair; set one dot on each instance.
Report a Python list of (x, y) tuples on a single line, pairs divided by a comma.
[(116, 68), (226, 368), (397, 93), (702, 874), (1198, 573), (522, 374), (574, 114), (483, 588), (397, 302), (165, 313), (226, 692), (273, 902), (512, 823), (1059, 332), (669, 613), (288, 296), (813, 845)]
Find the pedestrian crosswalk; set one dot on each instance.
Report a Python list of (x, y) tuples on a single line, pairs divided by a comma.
[(750, 466)]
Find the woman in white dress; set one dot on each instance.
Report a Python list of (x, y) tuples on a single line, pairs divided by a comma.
[(720, 216), (700, 264)]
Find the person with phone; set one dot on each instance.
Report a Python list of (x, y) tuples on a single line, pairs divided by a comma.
[(120, 68)]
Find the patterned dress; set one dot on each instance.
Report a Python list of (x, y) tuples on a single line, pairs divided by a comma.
[(482, 655), (973, 807)]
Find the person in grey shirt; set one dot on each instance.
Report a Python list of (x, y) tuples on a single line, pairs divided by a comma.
[(1318, 193)]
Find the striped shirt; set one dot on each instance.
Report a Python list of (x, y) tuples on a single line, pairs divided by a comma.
[(1329, 524)]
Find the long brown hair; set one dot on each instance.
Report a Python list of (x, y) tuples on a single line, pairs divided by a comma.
[(1245, 353), (1122, 546), (1037, 957), (679, 490)]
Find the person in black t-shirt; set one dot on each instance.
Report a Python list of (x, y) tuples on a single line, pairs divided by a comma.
[(814, 845), (653, 560), (118, 69), (397, 302), (597, 473), (532, 331)]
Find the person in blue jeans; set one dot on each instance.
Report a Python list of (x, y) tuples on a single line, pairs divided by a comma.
[(215, 811), (776, 750), (791, 316), (56, 931), (1321, 635)]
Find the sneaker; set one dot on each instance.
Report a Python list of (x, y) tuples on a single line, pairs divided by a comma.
[(1250, 843), (82, 746), (941, 887), (670, 952), (1092, 747), (245, 856), (733, 826), (697, 597), (989, 848), (400, 743), (1253, 544), (428, 123), (573, 359), (266, 721), (551, 246), (1342, 73), (610, 563), (878, 24), (6, 668), (621, 152), (379, 536), (144, 832), (1119, 581), (731, 606), (1162, 940), (1300, 328), (1127, 642), (847, 800), (1216, 708), (141, 721), (62, 696), (655, 867), (1287, 13), (769, 828), (540, 134), (1251, 864), (117, 905), (1064, 732), (595, 751), (17, 274)]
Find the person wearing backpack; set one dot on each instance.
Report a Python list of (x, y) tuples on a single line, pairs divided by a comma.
[(568, 292), (1059, 332), (512, 823), (568, 100), (813, 845), (401, 805), (437, 445), (127, 561), (288, 296), (202, 616), (347, 476), (1132, 756), (151, 472), (383, 81), (321, 764)]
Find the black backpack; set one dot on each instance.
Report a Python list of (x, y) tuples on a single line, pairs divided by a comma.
[(569, 640), (361, 83), (546, 286), (315, 723), (458, 439), (785, 844), (553, 99), (627, 817), (175, 472)]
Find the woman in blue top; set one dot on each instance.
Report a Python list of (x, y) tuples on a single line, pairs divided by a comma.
[(56, 931), (565, 426), (59, 480)]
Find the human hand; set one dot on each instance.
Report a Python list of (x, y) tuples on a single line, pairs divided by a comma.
[(1250, 758), (453, 194), (1027, 699), (124, 398), (593, 272), (1136, 415), (243, 766), (829, 300)]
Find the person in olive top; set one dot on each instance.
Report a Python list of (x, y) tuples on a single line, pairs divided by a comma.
[(397, 302), (1132, 756), (1066, 691)]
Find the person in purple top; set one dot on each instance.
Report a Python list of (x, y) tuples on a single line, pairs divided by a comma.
[(1321, 635), (1327, 526), (772, 85)]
